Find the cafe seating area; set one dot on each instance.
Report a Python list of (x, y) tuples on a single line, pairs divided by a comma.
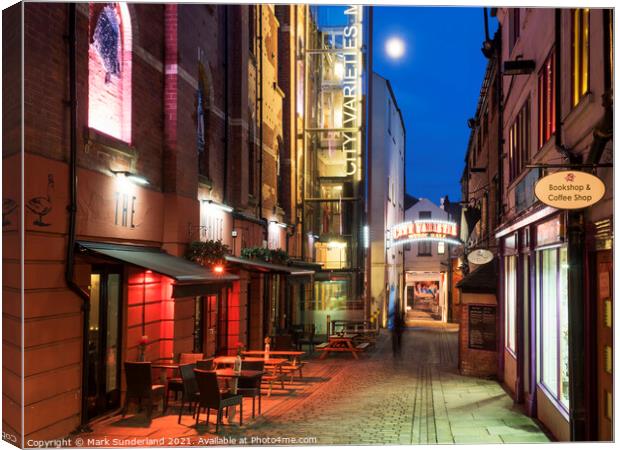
[(189, 385)]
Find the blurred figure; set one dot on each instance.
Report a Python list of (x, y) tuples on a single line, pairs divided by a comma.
[(398, 327)]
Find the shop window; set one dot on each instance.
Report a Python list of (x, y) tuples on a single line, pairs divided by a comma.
[(546, 100), (519, 141), (580, 53), (552, 305), (510, 299), (109, 70)]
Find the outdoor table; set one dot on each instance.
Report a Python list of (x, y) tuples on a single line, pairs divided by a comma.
[(226, 360), (231, 373), (294, 355), (165, 367), (340, 343)]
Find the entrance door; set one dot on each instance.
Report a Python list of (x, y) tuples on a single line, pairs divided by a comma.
[(604, 343), (104, 342), (210, 305)]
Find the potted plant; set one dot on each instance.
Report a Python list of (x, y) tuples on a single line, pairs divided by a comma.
[(207, 253)]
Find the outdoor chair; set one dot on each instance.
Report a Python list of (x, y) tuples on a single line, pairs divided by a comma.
[(175, 384), (190, 387), (205, 364), (140, 387), (211, 397), (251, 387)]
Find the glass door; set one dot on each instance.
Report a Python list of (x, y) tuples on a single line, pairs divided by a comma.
[(104, 342)]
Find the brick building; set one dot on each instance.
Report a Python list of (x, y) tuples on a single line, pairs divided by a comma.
[(554, 96), (151, 127)]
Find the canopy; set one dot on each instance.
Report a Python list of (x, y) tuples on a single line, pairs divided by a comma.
[(191, 279), (262, 266)]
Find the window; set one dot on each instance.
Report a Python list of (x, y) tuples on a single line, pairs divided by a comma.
[(251, 158), (552, 305), (510, 296), (424, 248), (518, 142), (202, 125), (441, 248), (109, 70), (389, 117), (514, 26), (252, 28), (546, 100), (580, 53), (485, 123)]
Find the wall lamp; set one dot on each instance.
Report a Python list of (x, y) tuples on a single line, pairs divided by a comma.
[(275, 222), (128, 175), (224, 208)]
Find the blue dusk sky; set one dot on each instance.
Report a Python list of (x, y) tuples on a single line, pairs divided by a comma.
[(436, 84)]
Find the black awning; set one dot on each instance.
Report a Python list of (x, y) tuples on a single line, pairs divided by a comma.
[(191, 278), (483, 280), (261, 266)]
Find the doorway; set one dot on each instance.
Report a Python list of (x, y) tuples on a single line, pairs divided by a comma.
[(104, 341)]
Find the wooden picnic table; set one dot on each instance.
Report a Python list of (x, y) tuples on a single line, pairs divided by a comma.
[(342, 343)]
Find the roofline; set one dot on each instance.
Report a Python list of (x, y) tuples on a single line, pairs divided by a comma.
[(389, 85)]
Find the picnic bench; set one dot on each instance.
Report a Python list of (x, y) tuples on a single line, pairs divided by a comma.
[(342, 343)]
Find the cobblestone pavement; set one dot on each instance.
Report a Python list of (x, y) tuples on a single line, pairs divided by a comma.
[(418, 398)]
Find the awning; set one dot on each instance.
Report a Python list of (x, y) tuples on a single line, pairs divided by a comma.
[(483, 280), (262, 266), (191, 279)]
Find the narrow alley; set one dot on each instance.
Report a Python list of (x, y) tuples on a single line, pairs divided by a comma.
[(418, 398)]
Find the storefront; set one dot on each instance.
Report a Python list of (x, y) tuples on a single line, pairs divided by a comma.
[(534, 356), (143, 307), (267, 304)]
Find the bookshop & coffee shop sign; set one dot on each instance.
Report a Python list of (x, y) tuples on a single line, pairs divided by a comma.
[(570, 189)]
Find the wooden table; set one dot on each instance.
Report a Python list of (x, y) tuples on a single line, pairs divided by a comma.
[(231, 360), (293, 355), (341, 343)]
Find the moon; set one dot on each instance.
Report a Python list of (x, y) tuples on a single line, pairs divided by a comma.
[(395, 47)]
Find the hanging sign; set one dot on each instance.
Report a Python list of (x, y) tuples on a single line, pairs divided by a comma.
[(480, 256), (570, 189)]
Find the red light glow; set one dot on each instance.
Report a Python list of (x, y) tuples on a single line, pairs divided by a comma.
[(218, 269)]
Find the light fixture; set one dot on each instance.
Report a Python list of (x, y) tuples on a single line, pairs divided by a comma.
[(129, 176), (234, 233), (280, 224), (339, 70), (218, 269), (224, 208)]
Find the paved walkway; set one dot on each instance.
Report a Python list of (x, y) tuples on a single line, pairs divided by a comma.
[(418, 398)]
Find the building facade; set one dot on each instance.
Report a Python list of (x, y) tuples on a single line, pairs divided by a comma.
[(168, 134), (333, 167), (555, 265), (386, 199)]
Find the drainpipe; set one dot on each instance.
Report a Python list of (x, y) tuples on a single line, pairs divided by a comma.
[(576, 253), (226, 72), (260, 132), (70, 256)]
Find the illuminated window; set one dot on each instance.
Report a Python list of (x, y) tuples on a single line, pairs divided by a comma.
[(519, 142), (510, 295), (580, 53), (441, 248), (109, 70), (546, 100), (552, 305)]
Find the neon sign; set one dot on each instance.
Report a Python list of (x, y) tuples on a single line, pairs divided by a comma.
[(423, 230), (352, 87)]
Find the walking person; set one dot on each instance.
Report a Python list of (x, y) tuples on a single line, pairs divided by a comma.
[(398, 327)]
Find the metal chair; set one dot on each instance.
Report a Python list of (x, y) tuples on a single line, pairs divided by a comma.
[(190, 387), (140, 387), (211, 397), (251, 387)]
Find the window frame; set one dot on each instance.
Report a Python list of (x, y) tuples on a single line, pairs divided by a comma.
[(519, 141), (580, 54), (546, 99)]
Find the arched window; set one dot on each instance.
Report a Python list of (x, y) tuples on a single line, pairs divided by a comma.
[(109, 70), (202, 121)]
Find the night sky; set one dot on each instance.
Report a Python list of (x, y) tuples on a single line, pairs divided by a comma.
[(436, 84)]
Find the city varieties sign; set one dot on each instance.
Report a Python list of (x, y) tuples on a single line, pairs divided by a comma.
[(423, 230), (570, 189)]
